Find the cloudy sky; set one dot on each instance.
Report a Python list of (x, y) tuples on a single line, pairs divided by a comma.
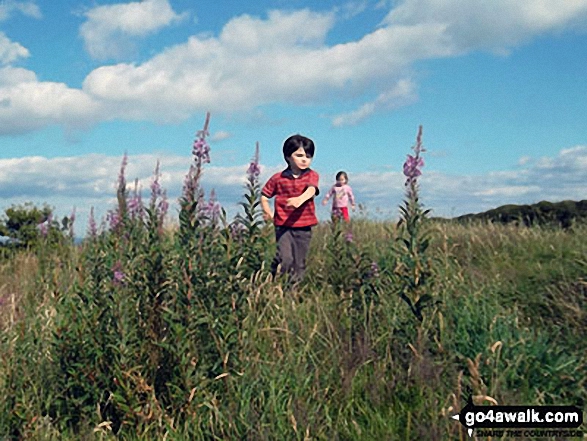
[(498, 85)]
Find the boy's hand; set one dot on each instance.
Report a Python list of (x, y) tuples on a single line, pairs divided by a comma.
[(294, 202), (267, 216), (353, 207)]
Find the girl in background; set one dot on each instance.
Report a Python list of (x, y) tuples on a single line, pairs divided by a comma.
[(343, 194)]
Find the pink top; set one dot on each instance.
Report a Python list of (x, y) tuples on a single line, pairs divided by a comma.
[(342, 196)]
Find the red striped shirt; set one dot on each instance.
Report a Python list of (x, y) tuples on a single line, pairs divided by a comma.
[(283, 186)]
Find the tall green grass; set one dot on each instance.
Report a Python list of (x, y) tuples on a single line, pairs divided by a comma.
[(146, 333), (82, 357)]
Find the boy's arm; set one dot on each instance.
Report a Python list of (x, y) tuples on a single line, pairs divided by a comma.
[(267, 192), (296, 202), (267, 213)]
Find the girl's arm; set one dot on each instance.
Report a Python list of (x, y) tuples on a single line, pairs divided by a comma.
[(351, 196), (327, 196)]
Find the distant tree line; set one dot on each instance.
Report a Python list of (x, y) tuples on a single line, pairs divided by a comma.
[(25, 224), (562, 214)]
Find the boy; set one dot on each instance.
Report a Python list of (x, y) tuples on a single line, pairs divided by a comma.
[(295, 214)]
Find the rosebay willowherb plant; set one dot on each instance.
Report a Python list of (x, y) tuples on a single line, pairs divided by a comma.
[(248, 227), (414, 264), (152, 316), (192, 194), (109, 327)]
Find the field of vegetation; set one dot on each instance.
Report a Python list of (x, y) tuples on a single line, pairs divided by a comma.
[(147, 332)]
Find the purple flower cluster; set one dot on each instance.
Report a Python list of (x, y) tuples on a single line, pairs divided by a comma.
[(201, 150), (135, 206), (254, 169), (190, 184), (118, 275), (349, 237), (135, 203), (44, 226), (211, 209), (414, 163), (236, 230), (113, 218), (158, 196), (374, 271), (412, 168)]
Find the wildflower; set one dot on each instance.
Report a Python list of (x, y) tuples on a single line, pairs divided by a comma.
[(254, 169), (118, 275), (44, 226), (211, 210), (121, 178), (374, 271), (113, 219), (349, 237), (159, 196), (121, 192), (416, 268), (413, 164), (156, 190), (135, 206), (412, 168), (190, 184), (163, 206), (201, 151), (92, 224), (236, 230)]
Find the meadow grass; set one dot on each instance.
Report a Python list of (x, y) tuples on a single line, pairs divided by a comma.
[(509, 327), (147, 332)]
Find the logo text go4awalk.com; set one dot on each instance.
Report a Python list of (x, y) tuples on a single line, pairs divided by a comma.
[(519, 417)]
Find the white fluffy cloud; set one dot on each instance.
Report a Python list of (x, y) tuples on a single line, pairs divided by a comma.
[(257, 61), (280, 58), (489, 24), (401, 94), (220, 136), (11, 51), (91, 180), (95, 176), (252, 62), (110, 29), (27, 104), (8, 7)]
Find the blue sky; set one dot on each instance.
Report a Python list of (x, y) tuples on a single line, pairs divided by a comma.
[(499, 87)]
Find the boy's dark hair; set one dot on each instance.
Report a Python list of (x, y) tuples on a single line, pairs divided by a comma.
[(294, 142), (342, 174)]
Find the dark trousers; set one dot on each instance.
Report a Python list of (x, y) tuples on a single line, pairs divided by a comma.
[(292, 249)]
